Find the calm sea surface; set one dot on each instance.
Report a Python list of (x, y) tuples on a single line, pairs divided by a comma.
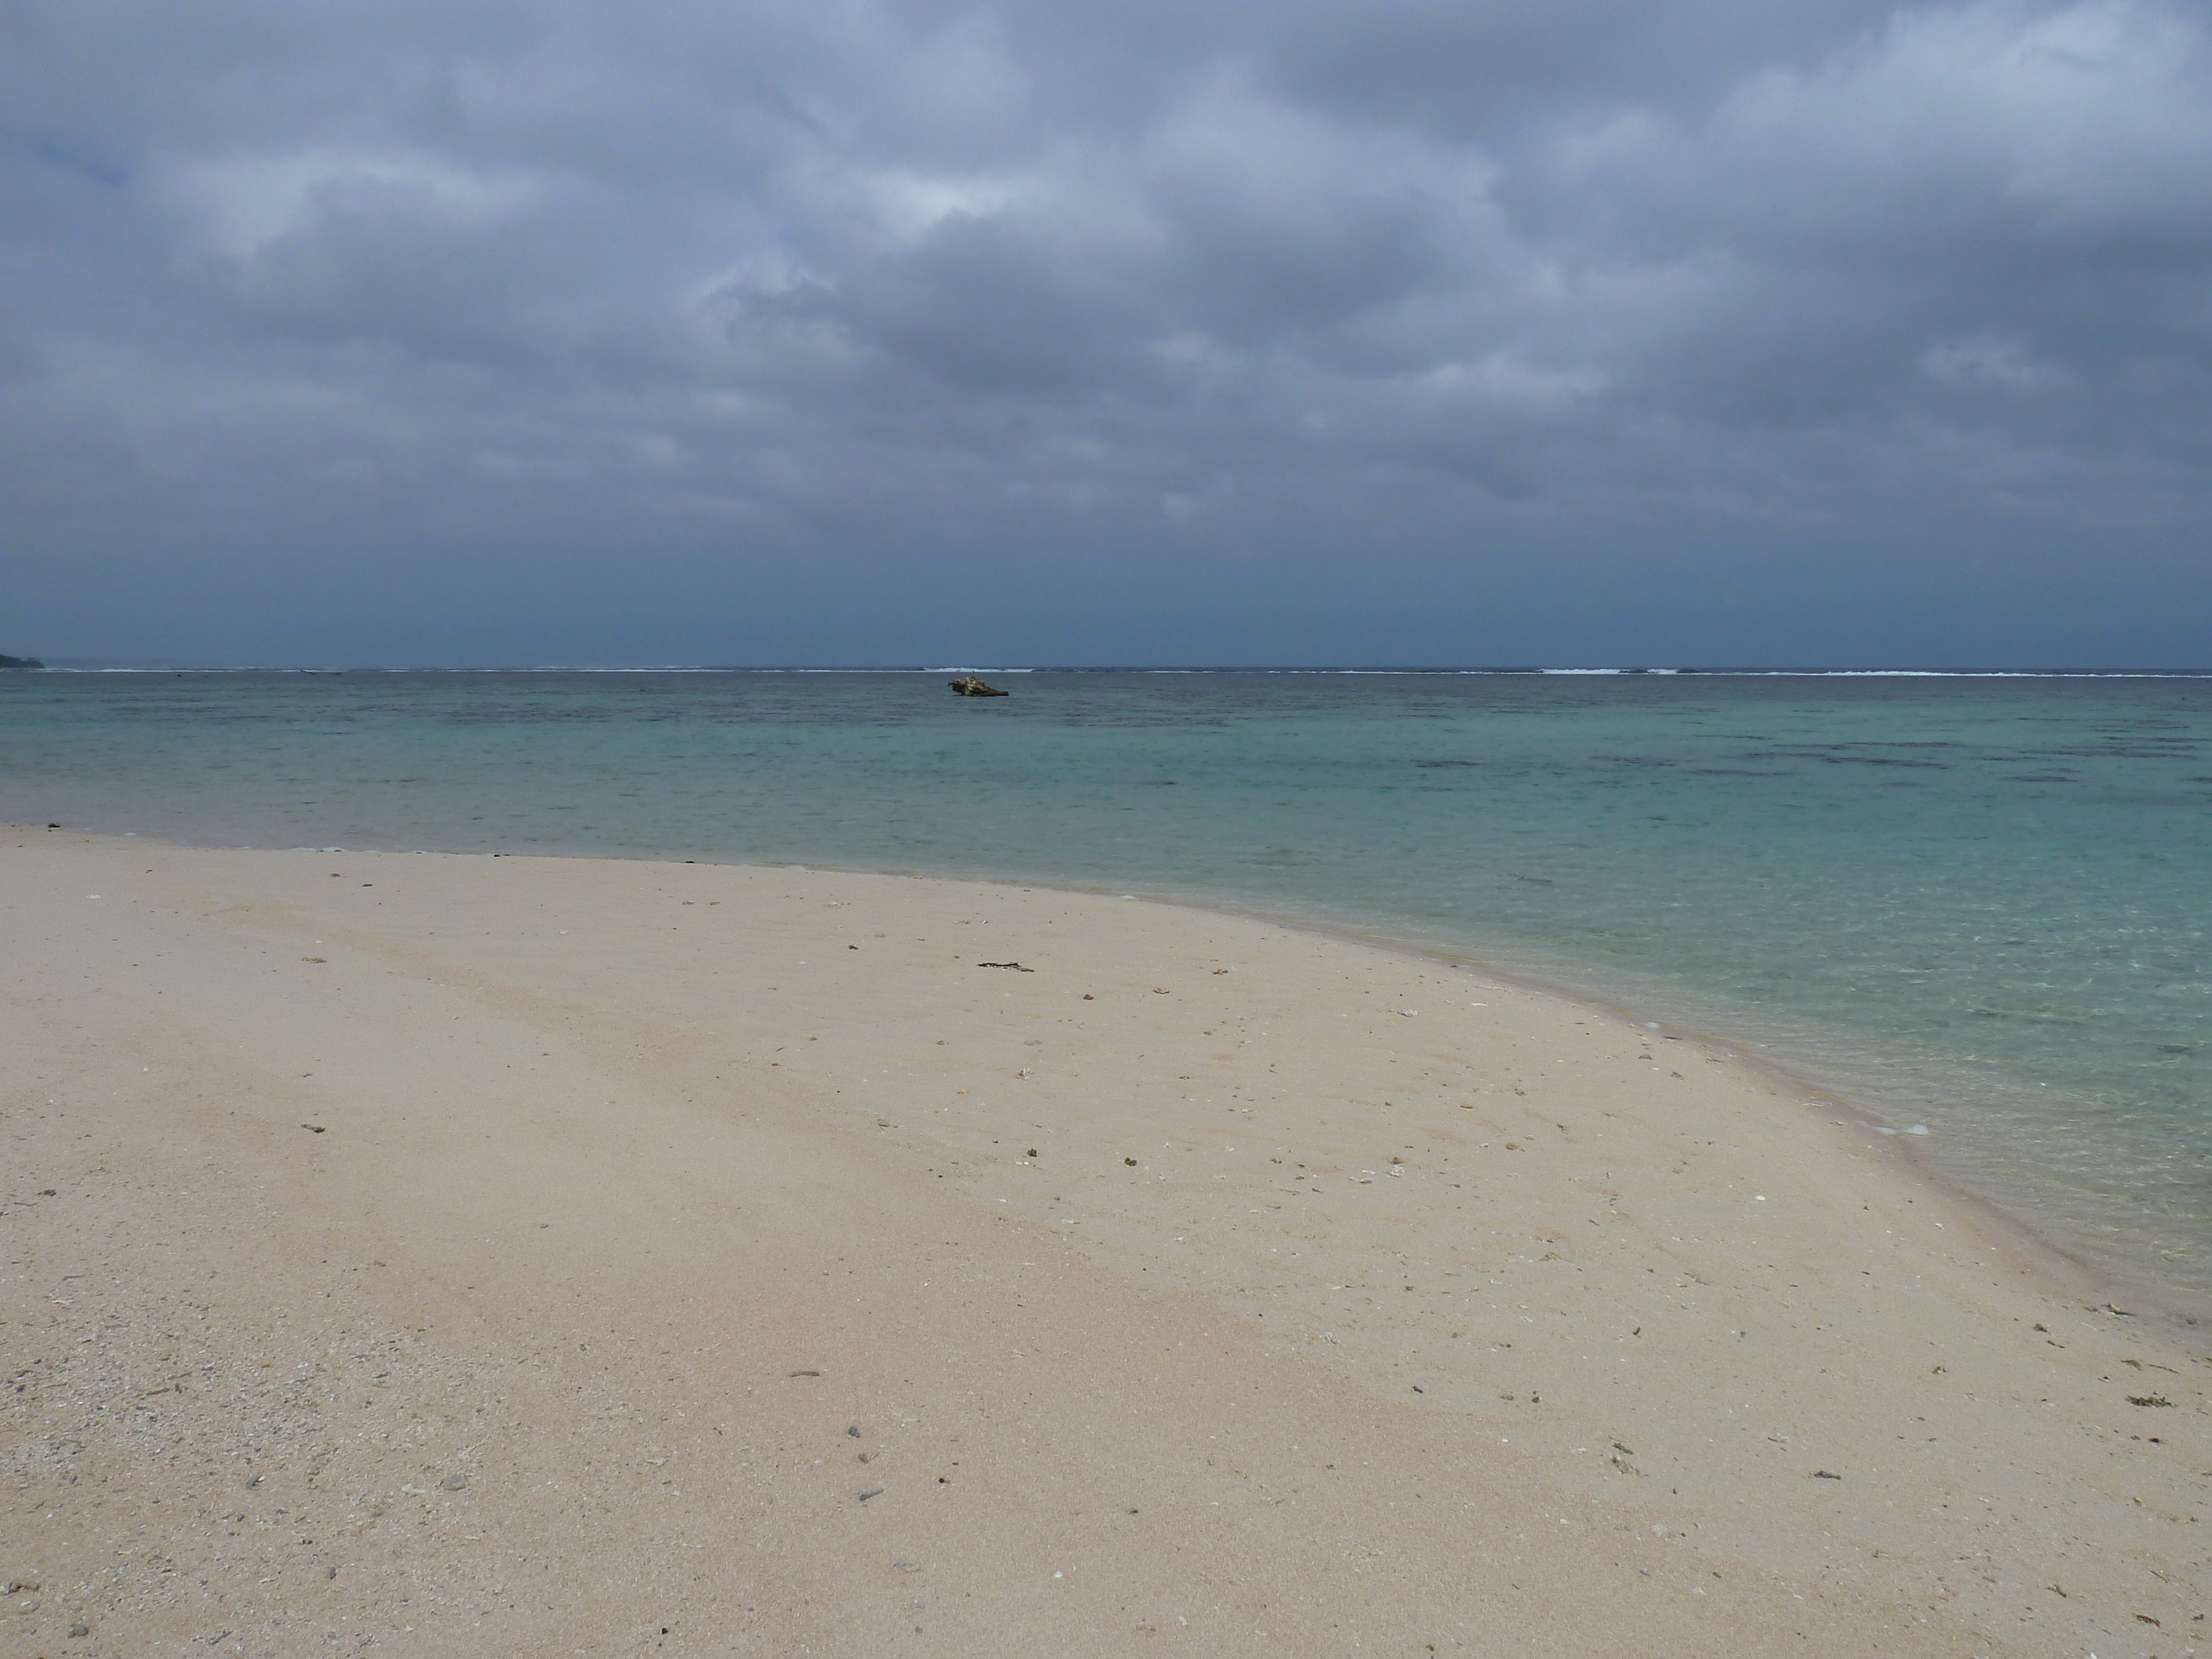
[(1981, 905)]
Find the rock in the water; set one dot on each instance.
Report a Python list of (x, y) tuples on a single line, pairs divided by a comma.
[(973, 685)]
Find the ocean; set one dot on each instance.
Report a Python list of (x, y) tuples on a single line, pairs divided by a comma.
[(1981, 906)]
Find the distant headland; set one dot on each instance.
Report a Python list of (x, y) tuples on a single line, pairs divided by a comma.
[(7, 662)]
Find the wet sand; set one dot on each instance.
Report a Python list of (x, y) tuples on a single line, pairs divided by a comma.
[(522, 1255)]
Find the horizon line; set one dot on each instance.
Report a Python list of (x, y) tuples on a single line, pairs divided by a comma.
[(98, 666)]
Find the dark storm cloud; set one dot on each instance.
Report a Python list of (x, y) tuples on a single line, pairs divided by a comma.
[(1528, 282)]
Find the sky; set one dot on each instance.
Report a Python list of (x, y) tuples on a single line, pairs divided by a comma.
[(1229, 331)]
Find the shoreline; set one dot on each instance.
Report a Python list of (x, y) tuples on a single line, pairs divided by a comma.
[(2168, 1299), (2132, 1279), (1603, 1337), (2114, 1276)]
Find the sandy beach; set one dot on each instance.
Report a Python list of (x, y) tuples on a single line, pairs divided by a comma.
[(515, 1255)]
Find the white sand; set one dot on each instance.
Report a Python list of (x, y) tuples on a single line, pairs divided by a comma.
[(1349, 1303)]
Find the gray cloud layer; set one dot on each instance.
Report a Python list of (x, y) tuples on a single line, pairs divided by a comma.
[(843, 330)]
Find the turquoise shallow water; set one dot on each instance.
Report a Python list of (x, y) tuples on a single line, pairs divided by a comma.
[(1982, 905)]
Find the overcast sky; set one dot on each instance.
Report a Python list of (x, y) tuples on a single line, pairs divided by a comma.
[(1216, 331)]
